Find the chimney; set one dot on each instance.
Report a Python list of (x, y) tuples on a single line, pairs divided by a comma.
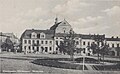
[(117, 37), (112, 37), (56, 20)]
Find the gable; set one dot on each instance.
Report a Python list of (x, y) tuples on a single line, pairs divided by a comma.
[(64, 23), (63, 27)]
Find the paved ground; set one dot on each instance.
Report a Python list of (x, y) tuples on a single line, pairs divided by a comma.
[(21, 64)]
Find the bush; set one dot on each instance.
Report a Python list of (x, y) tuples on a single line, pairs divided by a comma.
[(87, 60), (107, 67), (57, 64)]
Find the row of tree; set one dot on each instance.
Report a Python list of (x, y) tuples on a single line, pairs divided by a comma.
[(68, 45)]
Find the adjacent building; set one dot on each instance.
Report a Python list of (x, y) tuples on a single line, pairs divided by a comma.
[(8, 38)]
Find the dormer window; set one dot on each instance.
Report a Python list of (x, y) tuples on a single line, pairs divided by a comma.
[(38, 35), (33, 35), (42, 35)]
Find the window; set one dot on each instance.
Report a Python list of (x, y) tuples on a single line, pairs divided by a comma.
[(29, 48), (50, 42), (117, 45), (88, 43), (61, 38), (25, 41), (113, 45), (77, 42), (37, 48), (33, 47), (56, 48), (24, 47), (46, 42), (38, 35), (37, 41), (84, 43), (30, 35), (46, 49), (42, 35), (42, 42), (29, 41), (56, 37), (33, 35), (56, 42), (83, 50), (42, 48), (98, 43), (50, 48)]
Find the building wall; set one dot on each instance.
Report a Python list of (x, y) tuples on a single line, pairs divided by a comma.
[(29, 45), (113, 44), (63, 27), (57, 40), (84, 44)]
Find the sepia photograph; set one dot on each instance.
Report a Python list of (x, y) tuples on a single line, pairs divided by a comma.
[(59, 36)]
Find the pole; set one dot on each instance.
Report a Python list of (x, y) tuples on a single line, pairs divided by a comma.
[(1, 65), (1, 43), (83, 62)]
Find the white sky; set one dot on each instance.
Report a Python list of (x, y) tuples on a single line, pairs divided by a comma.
[(85, 16)]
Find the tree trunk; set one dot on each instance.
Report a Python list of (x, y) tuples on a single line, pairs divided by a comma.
[(72, 58), (98, 58), (103, 58)]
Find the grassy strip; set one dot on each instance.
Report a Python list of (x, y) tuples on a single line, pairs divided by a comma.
[(57, 64)]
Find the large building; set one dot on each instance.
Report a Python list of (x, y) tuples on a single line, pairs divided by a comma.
[(44, 41)]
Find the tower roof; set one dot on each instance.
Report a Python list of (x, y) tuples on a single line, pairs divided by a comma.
[(59, 23), (54, 26)]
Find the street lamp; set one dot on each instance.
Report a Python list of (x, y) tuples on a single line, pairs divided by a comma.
[(83, 62), (1, 64), (1, 43)]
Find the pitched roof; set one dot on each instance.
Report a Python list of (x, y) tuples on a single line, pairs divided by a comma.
[(113, 39), (91, 36), (11, 35), (58, 24), (80, 35), (63, 34), (54, 26), (27, 33)]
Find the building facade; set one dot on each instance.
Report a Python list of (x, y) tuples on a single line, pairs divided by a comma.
[(37, 41), (45, 41)]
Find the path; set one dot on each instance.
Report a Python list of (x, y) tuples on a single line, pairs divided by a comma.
[(89, 67)]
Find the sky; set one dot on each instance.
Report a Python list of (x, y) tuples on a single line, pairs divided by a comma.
[(85, 16)]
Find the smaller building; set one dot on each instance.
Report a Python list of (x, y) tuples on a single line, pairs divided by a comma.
[(9, 39), (114, 44)]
